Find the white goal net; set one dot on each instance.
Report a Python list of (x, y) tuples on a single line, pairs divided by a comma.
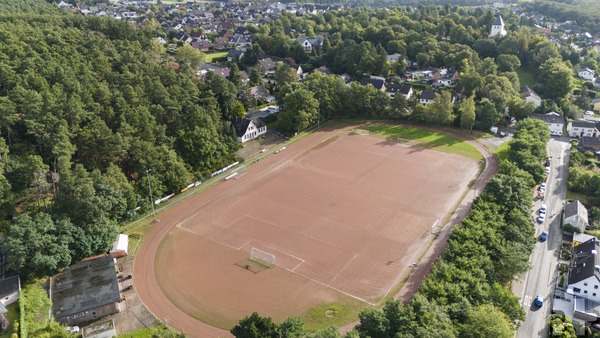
[(262, 257)]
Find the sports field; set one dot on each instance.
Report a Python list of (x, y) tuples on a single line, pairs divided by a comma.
[(344, 213)]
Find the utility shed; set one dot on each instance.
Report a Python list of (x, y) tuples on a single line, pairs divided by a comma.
[(85, 291), (119, 247)]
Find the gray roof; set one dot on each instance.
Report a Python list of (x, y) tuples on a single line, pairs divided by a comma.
[(586, 262), (548, 118), (377, 83), (499, 21), (398, 88), (85, 286), (583, 124), (9, 285), (241, 124), (574, 208), (427, 94)]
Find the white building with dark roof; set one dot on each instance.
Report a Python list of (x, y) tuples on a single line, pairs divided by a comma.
[(582, 128), (85, 291), (247, 129), (555, 123), (584, 276), (426, 97), (403, 89), (576, 215), (498, 27), (586, 73), (529, 95)]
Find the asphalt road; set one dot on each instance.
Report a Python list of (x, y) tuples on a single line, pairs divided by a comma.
[(542, 277)]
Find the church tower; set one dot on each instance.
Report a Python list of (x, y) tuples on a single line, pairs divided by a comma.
[(498, 27)]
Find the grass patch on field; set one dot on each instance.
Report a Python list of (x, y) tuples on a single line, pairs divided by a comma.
[(427, 139), (210, 57), (13, 316), (583, 198), (501, 151), (332, 314), (526, 77)]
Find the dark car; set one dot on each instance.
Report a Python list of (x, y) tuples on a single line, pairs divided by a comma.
[(539, 300), (543, 236)]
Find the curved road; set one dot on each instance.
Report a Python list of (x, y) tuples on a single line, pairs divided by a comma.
[(154, 299)]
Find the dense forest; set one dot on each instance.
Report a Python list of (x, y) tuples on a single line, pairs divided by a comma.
[(88, 105), (467, 293), (585, 13)]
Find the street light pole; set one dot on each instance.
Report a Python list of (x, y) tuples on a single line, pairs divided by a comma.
[(150, 188)]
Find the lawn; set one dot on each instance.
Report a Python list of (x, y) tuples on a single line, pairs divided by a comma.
[(502, 151), (210, 57), (427, 139), (526, 77)]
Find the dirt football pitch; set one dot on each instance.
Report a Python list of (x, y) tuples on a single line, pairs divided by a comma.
[(345, 215)]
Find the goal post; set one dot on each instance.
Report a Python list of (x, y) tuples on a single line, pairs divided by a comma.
[(262, 257)]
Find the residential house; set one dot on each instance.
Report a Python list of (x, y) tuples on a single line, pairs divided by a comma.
[(555, 123), (394, 57), (210, 67), (587, 74), (375, 81), (247, 129), (582, 128), (9, 292), (584, 276), (403, 89), (298, 70), (234, 55), (426, 97), (576, 215), (530, 95), (324, 70), (498, 27), (266, 66), (261, 92), (241, 41), (311, 44), (587, 143), (596, 104), (203, 46), (243, 31), (85, 291)]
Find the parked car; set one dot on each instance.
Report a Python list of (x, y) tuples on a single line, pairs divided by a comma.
[(539, 300), (543, 187), (547, 170), (543, 236), (543, 209), (541, 218)]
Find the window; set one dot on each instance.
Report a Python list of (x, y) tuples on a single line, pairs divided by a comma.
[(576, 290), (595, 286), (594, 294), (584, 283), (94, 316), (585, 292)]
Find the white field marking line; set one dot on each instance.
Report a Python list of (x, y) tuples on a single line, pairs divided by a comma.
[(401, 272), (344, 268), (210, 238), (285, 253), (278, 164), (329, 286), (314, 280), (243, 245), (297, 232)]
